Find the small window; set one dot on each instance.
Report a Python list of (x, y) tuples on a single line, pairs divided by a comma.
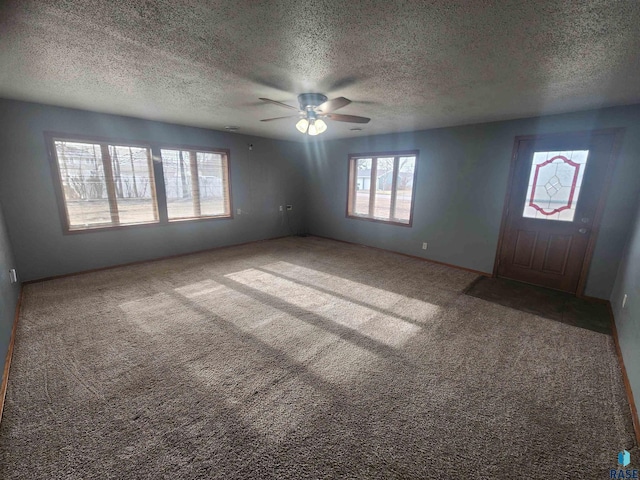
[(554, 186), (196, 183), (381, 187), (105, 184)]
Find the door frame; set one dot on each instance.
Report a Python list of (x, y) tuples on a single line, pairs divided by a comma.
[(618, 134)]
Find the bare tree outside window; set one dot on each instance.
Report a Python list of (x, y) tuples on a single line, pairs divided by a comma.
[(197, 183), (105, 185)]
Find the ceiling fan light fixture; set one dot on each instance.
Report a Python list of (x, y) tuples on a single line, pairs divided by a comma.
[(320, 126), (313, 130), (302, 125)]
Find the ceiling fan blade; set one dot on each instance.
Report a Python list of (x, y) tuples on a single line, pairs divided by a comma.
[(348, 118), (278, 118), (279, 103), (332, 105)]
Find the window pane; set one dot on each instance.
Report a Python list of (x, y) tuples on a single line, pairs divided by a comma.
[(133, 183), (404, 192), (383, 186), (212, 171), (177, 181), (83, 183), (554, 185), (363, 186), (197, 183)]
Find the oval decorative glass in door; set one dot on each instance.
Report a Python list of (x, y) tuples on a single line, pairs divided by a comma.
[(554, 185)]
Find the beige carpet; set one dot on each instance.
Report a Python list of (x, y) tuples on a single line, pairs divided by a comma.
[(302, 358)]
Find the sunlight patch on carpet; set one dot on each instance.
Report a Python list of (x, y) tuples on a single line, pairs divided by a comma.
[(158, 313), (377, 298), (205, 287), (372, 323), (278, 332)]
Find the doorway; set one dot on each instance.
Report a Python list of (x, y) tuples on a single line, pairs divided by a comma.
[(553, 208)]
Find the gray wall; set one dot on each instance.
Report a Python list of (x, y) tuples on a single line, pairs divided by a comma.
[(8, 292), (461, 185), (262, 179), (628, 318)]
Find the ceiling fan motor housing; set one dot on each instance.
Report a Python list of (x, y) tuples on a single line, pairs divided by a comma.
[(310, 99)]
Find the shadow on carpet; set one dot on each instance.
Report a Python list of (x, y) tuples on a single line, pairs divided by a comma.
[(544, 302)]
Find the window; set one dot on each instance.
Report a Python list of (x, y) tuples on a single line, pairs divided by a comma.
[(554, 186), (106, 184), (196, 183), (381, 187)]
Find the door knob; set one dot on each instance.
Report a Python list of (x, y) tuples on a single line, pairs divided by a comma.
[(585, 220), (583, 230)]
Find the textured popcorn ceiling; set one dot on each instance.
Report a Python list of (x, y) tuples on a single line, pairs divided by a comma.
[(407, 65)]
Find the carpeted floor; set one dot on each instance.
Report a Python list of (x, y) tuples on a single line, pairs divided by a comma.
[(302, 358)]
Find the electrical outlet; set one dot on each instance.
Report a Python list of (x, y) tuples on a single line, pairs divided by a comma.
[(624, 300), (281, 209), (289, 207), (13, 276), (424, 246), (239, 211)]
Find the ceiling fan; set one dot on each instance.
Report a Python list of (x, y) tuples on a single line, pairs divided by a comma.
[(313, 108)]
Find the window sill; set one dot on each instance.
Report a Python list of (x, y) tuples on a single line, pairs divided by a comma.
[(157, 223), (103, 228), (379, 220), (198, 219)]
